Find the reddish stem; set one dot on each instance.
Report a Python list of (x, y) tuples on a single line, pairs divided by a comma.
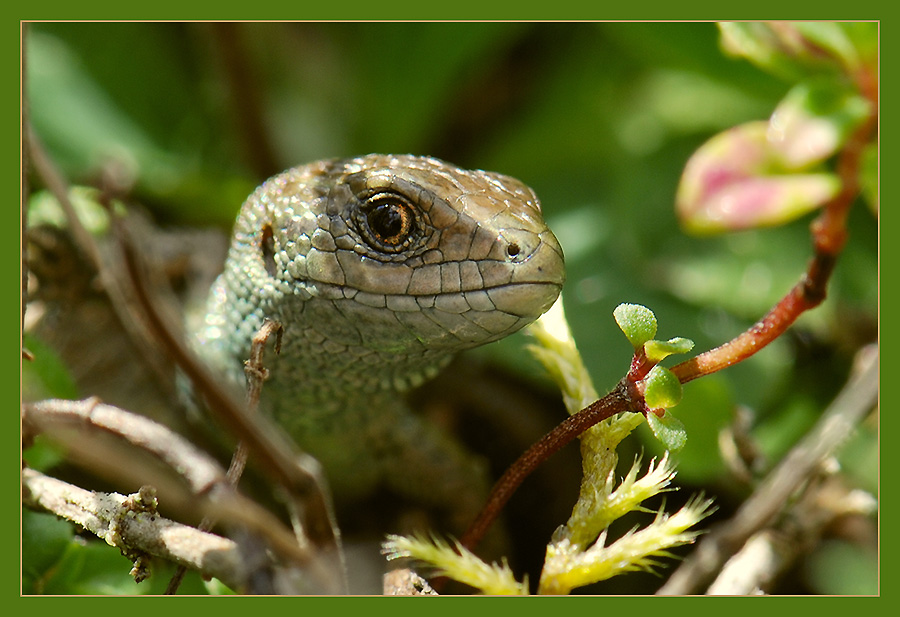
[(806, 294), (619, 400)]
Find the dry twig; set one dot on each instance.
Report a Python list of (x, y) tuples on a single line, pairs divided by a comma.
[(256, 375), (802, 462), (113, 518)]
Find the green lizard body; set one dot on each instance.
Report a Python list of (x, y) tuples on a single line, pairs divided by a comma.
[(380, 269)]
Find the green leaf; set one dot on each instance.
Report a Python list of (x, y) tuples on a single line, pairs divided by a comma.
[(662, 388), (90, 567), (637, 322), (706, 409), (826, 38), (44, 541), (45, 209), (669, 430), (813, 121), (658, 350), (868, 176), (43, 454), (792, 50), (46, 376)]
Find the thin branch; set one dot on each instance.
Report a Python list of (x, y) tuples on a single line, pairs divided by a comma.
[(836, 424), (91, 419), (617, 401), (244, 96), (770, 552), (113, 518), (122, 302), (82, 427), (256, 375)]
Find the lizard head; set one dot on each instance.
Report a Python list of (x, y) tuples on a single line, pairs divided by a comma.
[(400, 253)]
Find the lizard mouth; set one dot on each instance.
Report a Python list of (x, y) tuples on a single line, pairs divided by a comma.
[(527, 299)]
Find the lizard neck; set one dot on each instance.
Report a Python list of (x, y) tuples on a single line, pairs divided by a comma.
[(320, 369)]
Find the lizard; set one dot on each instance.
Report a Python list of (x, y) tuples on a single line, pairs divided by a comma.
[(380, 269)]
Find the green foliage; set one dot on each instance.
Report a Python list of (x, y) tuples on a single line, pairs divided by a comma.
[(44, 540), (637, 322), (660, 350), (793, 50), (662, 388), (706, 409), (46, 376), (669, 430)]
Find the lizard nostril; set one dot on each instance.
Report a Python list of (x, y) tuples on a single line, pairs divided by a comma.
[(513, 249)]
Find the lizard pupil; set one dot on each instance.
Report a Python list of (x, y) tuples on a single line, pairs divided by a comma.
[(391, 222)]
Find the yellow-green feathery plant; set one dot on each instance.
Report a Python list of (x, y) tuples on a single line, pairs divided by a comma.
[(578, 553)]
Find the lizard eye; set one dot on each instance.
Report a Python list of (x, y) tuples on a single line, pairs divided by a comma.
[(388, 222)]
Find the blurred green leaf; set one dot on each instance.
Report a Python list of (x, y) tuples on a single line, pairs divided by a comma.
[(43, 454), (813, 121), (45, 539), (85, 130), (869, 177), (46, 376), (841, 568), (44, 209), (91, 568), (791, 50), (77, 118)]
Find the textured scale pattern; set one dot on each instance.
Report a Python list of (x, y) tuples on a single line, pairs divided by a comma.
[(380, 269)]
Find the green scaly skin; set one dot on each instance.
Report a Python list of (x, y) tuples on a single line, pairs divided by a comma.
[(380, 269)]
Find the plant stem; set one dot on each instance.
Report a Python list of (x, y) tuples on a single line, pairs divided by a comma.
[(618, 400)]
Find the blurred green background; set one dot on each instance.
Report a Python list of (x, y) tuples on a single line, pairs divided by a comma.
[(598, 118)]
